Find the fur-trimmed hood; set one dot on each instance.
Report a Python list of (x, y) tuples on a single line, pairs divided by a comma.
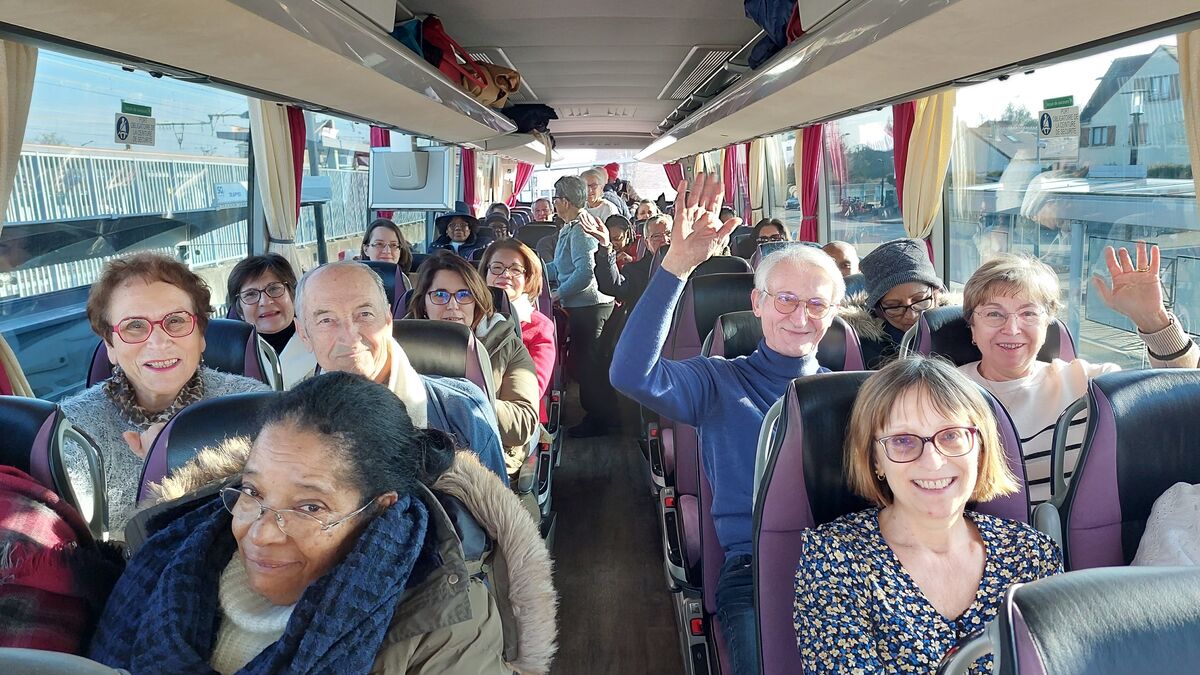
[(530, 589), (855, 312)]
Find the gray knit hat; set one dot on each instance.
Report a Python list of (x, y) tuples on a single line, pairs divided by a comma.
[(896, 262), (572, 189)]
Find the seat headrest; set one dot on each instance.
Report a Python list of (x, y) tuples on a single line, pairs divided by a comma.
[(712, 295), (434, 347), (200, 425), (1140, 440), (532, 233), (763, 250), (28, 425), (734, 334), (1104, 622), (387, 272), (944, 331), (418, 258), (230, 346), (721, 264), (855, 283)]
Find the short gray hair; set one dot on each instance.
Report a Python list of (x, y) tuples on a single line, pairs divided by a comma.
[(380, 294), (803, 257), (598, 174), (572, 189)]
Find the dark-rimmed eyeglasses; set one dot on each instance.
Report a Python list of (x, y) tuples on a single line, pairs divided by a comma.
[(251, 296), (502, 270), (768, 238), (443, 297), (994, 318), (897, 311), (383, 246), (137, 329), (246, 508), (951, 442), (786, 303)]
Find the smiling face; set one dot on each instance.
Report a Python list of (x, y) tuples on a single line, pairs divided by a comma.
[(657, 234), (794, 334), (458, 229), (511, 281), (595, 189), (159, 367), (293, 468), (269, 315), (1009, 350), (344, 322), (932, 486), (382, 245), (914, 297), (453, 311), (644, 212), (542, 211)]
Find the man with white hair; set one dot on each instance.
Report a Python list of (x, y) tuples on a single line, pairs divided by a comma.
[(343, 317), (795, 293)]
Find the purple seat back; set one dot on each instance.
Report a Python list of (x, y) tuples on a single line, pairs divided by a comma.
[(944, 331), (803, 485), (1140, 440), (230, 346), (29, 440), (200, 425)]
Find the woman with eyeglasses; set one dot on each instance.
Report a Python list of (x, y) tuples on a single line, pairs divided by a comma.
[(384, 241), (1011, 301), (449, 289), (151, 312), (900, 284), (893, 588), (330, 545), (262, 291), (512, 267)]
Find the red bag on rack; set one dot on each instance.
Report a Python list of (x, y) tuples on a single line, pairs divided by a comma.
[(448, 56)]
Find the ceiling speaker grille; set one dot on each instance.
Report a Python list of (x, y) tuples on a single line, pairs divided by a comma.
[(697, 66)]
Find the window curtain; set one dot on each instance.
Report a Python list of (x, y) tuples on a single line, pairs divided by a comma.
[(729, 169), (809, 152), (757, 179), (467, 164), (777, 175), (928, 160), (902, 127), (12, 378), (381, 138), (699, 165), (674, 172), (277, 167), (524, 171), (19, 67), (1188, 45)]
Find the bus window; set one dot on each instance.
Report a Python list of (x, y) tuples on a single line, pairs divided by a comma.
[(1127, 176), (82, 196)]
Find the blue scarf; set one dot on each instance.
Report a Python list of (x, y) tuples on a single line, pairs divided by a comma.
[(163, 614)]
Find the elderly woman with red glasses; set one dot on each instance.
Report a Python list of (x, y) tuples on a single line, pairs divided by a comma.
[(151, 312)]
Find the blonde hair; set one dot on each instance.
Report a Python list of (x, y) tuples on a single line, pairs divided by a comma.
[(1011, 275), (951, 394)]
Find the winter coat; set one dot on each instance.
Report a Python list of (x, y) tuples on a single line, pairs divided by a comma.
[(516, 389), (502, 620)]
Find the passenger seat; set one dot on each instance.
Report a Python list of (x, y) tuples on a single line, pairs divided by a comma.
[(230, 346)]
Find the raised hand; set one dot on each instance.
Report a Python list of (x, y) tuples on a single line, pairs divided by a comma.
[(1136, 290), (696, 233), (140, 444), (593, 227)]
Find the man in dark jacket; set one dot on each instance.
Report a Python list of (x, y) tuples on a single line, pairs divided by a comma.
[(627, 285)]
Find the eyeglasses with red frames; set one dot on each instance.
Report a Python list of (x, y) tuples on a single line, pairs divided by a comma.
[(137, 329)]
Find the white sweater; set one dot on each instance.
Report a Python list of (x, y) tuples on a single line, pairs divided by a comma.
[(249, 622)]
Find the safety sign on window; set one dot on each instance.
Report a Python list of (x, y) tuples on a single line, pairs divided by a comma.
[(133, 129), (1058, 133)]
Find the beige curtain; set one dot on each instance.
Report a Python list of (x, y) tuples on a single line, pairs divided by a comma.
[(798, 162), (18, 67), (274, 176), (699, 166), (928, 160), (776, 174), (1189, 83), (16, 376), (758, 179)]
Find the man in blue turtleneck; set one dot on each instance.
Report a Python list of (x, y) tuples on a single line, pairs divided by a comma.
[(795, 292)]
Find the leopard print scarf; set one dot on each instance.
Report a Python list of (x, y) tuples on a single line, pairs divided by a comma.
[(120, 391)]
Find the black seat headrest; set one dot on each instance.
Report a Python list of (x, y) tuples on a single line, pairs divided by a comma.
[(950, 336), (27, 425), (387, 272), (735, 334), (532, 233), (231, 346), (722, 264), (434, 347), (719, 293), (418, 258)]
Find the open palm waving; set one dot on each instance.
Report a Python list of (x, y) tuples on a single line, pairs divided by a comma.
[(697, 233)]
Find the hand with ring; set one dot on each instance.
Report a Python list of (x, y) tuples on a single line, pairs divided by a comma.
[(1136, 290)]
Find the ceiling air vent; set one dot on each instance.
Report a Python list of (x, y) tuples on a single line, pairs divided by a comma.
[(496, 56), (697, 66)]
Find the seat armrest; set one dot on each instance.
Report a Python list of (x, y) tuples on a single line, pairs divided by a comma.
[(1047, 520)]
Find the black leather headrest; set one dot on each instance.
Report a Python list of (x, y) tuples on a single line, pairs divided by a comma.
[(24, 423), (831, 352), (532, 233), (418, 258), (225, 347), (1105, 621), (735, 334), (434, 347), (721, 264), (717, 294), (386, 272), (950, 336), (743, 245), (825, 401)]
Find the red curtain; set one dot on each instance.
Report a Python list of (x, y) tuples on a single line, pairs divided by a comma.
[(810, 174), (524, 171), (903, 115), (729, 174), (467, 156), (381, 138), (299, 134), (837, 153), (674, 172)]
